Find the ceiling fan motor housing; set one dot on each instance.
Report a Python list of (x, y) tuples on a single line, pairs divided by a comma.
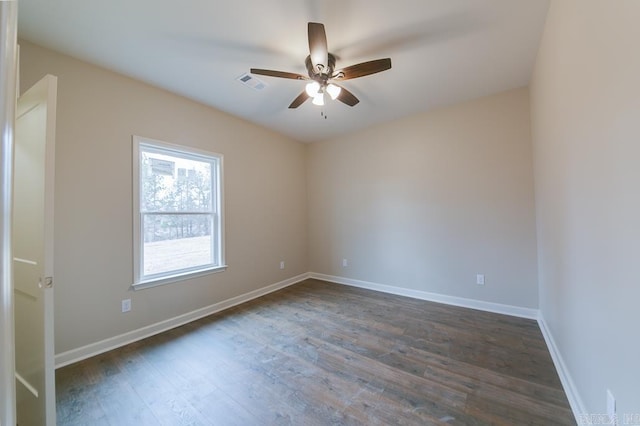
[(321, 75)]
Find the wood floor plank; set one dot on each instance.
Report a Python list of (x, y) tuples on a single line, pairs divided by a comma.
[(390, 349), (318, 353), (169, 407)]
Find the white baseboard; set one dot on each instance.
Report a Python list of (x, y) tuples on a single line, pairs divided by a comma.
[(577, 406), (84, 352), (498, 308)]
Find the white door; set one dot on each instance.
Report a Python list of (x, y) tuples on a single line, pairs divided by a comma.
[(33, 253)]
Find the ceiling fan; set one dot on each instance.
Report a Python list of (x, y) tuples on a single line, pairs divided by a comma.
[(322, 73)]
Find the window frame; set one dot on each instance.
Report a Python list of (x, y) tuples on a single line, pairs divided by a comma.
[(142, 144)]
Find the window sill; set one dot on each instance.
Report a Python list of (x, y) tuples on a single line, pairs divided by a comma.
[(141, 285)]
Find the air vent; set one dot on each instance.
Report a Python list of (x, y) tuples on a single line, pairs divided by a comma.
[(251, 81)]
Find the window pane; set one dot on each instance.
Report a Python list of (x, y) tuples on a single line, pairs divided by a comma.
[(176, 242), (174, 184)]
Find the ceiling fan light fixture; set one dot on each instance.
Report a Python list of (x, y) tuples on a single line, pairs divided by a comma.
[(313, 89), (333, 90), (318, 99)]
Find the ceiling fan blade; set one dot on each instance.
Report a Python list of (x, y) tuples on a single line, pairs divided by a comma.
[(347, 97), (318, 46), (299, 100), (281, 74), (362, 69)]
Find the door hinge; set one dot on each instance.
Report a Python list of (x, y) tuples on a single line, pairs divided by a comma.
[(48, 282)]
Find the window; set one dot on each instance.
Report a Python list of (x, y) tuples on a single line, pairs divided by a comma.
[(177, 199)]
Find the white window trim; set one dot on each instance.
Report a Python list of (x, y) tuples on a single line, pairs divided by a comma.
[(147, 282)]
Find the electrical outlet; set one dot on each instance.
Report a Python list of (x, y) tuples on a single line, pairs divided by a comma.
[(611, 408), (282, 264), (126, 305), (480, 279), (345, 263)]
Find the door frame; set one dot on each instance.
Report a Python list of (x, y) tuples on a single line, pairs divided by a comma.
[(8, 96)]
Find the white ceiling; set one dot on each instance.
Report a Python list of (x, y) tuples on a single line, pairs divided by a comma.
[(442, 51)]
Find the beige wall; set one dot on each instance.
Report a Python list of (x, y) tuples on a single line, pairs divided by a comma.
[(585, 101), (98, 111), (426, 203)]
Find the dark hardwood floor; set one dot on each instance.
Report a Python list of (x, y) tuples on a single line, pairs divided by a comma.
[(318, 353)]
